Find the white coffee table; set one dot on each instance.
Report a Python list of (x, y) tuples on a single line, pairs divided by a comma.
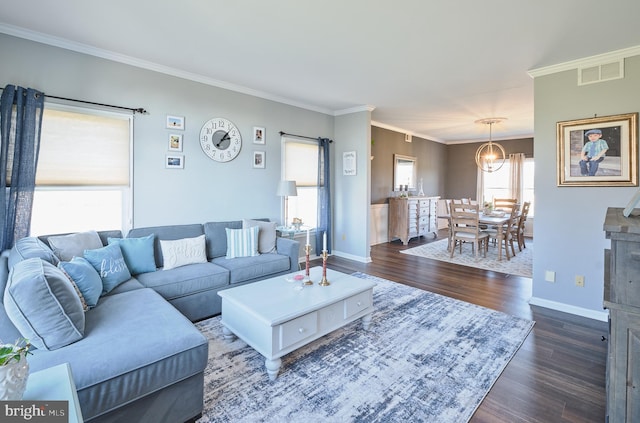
[(275, 316)]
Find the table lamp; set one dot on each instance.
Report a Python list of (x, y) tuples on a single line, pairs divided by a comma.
[(287, 189)]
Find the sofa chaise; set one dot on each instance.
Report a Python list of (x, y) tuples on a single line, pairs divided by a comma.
[(134, 352)]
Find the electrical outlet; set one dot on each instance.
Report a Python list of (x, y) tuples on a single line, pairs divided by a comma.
[(550, 276), (580, 281)]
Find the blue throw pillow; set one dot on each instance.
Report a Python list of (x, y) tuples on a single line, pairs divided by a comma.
[(137, 253), (43, 305), (110, 264), (86, 278)]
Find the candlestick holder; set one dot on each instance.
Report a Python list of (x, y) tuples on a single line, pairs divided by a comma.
[(307, 278), (324, 281)]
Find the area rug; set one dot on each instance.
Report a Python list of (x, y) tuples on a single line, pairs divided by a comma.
[(520, 265), (426, 358)]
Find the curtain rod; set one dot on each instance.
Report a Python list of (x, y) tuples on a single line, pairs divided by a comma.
[(301, 136), (131, 109)]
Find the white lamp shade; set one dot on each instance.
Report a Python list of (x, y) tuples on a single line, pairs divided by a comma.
[(287, 189)]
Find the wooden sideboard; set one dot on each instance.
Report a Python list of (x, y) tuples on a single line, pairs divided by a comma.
[(410, 217), (622, 298)]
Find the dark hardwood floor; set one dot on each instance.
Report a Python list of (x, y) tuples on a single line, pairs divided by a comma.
[(558, 375)]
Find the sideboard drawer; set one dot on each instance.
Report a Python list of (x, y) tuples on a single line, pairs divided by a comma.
[(357, 303), (298, 329)]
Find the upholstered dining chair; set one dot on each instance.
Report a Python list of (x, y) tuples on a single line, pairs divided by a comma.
[(465, 229)]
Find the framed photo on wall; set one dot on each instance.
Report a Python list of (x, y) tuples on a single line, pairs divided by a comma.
[(175, 122), (175, 142), (258, 159), (258, 135), (599, 151), (175, 161), (349, 163)]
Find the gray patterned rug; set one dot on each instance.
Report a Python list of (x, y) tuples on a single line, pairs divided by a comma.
[(425, 358), (520, 265)]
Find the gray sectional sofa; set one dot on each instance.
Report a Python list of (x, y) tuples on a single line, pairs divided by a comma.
[(135, 355)]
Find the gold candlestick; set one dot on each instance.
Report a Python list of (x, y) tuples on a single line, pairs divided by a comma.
[(324, 281), (307, 278)]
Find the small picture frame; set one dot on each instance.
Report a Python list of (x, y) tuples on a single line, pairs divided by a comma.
[(175, 122), (174, 161), (259, 160), (175, 142), (258, 135)]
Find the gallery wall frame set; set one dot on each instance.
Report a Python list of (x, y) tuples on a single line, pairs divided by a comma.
[(578, 139)]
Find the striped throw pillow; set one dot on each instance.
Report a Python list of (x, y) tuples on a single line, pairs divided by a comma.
[(242, 242)]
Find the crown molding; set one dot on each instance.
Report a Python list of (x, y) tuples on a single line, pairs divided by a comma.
[(608, 57), (356, 109), (144, 64), (404, 131)]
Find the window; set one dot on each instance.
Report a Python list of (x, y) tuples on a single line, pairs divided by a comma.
[(496, 184), (300, 164), (83, 175)]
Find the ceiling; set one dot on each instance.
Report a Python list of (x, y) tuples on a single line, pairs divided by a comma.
[(428, 67)]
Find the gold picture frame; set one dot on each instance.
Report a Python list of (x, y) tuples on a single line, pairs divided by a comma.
[(616, 166)]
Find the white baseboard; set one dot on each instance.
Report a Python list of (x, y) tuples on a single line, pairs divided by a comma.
[(352, 257), (602, 316)]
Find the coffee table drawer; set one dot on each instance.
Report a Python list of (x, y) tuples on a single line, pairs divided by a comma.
[(357, 303), (298, 329)]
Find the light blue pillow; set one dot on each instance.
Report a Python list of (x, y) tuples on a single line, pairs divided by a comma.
[(110, 264), (43, 305), (30, 247), (137, 253), (242, 242), (86, 278)]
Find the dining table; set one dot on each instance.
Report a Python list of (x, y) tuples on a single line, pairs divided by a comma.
[(498, 220)]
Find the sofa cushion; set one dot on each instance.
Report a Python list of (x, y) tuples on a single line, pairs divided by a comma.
[(266, 234), (247, 268), (135, 344), (110, 264), (181, 252), (169, 232), (137, 253), (86, 278), (42, 303), (68, 246), (30, 247), (242, 242), (185, 280), (217, 237)]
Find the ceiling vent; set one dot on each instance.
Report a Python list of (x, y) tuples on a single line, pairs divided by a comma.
[(601, 72)]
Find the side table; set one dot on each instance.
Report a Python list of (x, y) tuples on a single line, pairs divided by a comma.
[(56, 384)]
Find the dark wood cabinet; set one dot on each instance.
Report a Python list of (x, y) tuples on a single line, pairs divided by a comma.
[(622, 298)]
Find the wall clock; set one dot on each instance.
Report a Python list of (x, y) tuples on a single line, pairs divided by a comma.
[(220, 139)]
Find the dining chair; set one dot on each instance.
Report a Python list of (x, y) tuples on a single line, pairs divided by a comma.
[(505, 238), (521, 222), (504, 203), (465, 229)]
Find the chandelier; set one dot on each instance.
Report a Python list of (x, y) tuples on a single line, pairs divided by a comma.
[(490, 156)]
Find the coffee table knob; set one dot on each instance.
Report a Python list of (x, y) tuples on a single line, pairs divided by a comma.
[(301, 330)]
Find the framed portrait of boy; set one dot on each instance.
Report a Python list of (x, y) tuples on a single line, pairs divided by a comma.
[(599, 151)]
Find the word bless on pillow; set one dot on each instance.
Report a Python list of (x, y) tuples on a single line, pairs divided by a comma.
[(110, 264), (242, 242), (180, 252)]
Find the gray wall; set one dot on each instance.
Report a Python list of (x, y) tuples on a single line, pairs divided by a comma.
[(205, 190), (432, 162), (461, 169), (568, 232)]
